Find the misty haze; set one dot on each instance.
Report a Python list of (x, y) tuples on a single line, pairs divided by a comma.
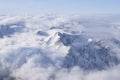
[(59, 40)]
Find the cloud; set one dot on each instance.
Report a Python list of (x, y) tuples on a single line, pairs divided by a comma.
[(27, 56)]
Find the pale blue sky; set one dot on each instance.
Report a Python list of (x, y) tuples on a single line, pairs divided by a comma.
[(59, 6)]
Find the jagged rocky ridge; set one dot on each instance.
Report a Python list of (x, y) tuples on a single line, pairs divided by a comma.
[(89, 55)]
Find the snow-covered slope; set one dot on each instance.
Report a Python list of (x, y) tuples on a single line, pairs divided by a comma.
[(54, 47)]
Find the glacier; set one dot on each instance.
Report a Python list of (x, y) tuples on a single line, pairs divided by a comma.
[(60, 47)]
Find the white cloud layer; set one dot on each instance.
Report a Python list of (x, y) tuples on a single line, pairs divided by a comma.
[(28, 55)]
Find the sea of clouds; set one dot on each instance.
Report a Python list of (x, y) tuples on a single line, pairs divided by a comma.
[(30, 47)]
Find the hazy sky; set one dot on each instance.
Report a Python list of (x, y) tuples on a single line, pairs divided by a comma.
[(59, 6)]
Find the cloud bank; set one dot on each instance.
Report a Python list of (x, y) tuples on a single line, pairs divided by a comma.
[(35, 48)]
